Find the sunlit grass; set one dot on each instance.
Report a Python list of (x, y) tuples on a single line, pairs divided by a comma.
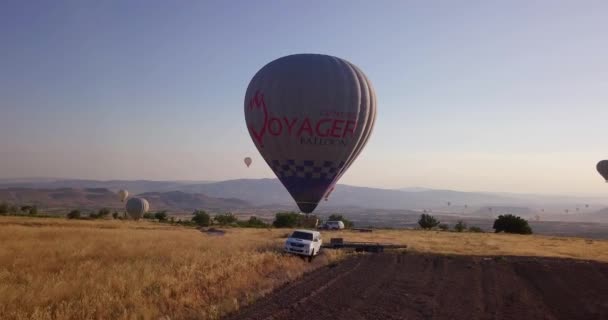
[(68, 269), (58, 269)]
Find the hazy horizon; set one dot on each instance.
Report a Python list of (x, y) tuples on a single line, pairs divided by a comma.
[(471, 96)]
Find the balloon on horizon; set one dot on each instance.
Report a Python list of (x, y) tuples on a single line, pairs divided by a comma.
[(123, 194), (247, 161), (310, 116), (136, 207)]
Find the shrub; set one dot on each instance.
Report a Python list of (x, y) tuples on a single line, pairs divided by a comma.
[(444, 227), (148, 215), (33, 210), (103, 212), (25, 208), (339, 217), (225, 219), (511, 224), (475, 229), (286, 220), (115, 215), (253, 222), (3, 208), (201, 218), (427, 221), (161, 216), (74, 214), (460, 226)]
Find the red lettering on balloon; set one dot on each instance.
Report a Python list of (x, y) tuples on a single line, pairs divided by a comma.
[(279, 128), (289, 125), (257, 102), (305, 127), (318, 128), (348, 128), (335, 128)]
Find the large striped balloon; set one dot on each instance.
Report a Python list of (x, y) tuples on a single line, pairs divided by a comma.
[(310, 116), (136, 207)]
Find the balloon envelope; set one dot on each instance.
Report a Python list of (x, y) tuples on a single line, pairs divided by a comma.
[(310, 116), (123, 194), (136, 207), (602, 168), (247, 161)]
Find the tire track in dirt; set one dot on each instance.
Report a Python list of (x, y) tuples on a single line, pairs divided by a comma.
[(437, 287)]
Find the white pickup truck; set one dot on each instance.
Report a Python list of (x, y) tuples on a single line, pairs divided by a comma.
[(306, 243)]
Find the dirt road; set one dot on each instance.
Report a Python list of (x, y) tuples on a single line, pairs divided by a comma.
[(415, 286)]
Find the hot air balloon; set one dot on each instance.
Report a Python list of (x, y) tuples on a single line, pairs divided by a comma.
[(247, 161), (602, 168), (123, 194), (586, 206), (136, 207), (449, 203), (310, 116)]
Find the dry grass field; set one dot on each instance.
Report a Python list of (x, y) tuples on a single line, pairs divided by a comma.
[(64, 269)]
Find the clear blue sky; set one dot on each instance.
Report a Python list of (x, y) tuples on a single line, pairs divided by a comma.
[(472, 95)]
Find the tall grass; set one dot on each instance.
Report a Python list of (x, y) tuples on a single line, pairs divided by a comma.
[(125, 270)]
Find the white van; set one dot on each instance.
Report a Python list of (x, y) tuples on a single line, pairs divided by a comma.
[(334, 225), (304, 243)]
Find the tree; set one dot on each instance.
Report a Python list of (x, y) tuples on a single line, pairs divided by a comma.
[(103, 212), (225, 219), (475, 229), (148, 215), (339, 217), (74, 214), (286, 220), (511, 224), (201, 218), (33, 210), (115, 215), (460, 226), (3, 208), (25, 208), (253, 222), (427, 221), (161, 216), (444, 227)]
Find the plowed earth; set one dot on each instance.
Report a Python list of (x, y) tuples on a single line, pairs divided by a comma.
[(417, 286)]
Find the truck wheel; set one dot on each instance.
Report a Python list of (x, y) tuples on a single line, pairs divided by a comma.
[(311, 256)]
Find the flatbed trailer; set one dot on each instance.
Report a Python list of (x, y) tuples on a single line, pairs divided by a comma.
[(338, 243)]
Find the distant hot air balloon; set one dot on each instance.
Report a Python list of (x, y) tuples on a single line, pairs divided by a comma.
[(449, 203), (310, 116), (247, 161), (136, 207), (602, 168), (586, 206), (123, 194), (466, 206), (566, 210)]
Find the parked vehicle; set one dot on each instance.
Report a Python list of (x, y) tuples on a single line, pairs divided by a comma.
[(306, 243), (334, 225)]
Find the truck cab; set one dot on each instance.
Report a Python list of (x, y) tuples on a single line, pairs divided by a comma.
[(306, 243)]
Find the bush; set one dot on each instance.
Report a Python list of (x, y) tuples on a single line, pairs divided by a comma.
[(427, 221), (511, 224), (3, 208), (33, 210), (286, 220), (253, 222), (148, 215), (475, 229), (460, 226), (115, 215), (25, 208), (201, 218), (339, 217), (444, 227), (74, 214), (225, 219), (103, 212), (161, 216)]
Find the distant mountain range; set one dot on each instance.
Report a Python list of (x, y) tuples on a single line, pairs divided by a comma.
[(258, 194)]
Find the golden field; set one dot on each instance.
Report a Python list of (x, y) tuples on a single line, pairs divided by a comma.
[(66, 269)]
